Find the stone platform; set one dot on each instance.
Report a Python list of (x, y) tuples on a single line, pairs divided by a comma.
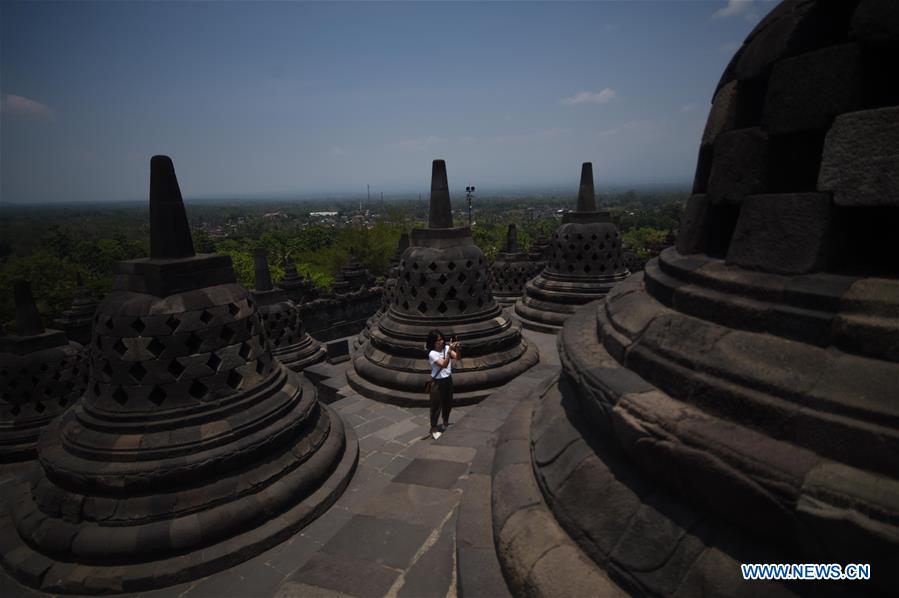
[(418, 503)]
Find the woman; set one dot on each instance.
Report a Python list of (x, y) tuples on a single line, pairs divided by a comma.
[(440, 356)]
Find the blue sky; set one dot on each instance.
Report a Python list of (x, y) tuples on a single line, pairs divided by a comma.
[(300, 98)]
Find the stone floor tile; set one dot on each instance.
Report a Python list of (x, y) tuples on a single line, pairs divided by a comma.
[(432, 574), (398, 464), (346, 575), (323, 529), (419, 505), (459, 454), (383, 541), (432, 472)]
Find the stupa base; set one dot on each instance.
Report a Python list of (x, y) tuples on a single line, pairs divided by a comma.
[(37, 570), (307, 353), (407, 390)]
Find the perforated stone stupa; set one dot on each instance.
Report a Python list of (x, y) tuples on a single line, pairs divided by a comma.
[(510, 271), (193, 447), (290, 343), (736, 402), (443, 283), (299, 290), (77, 321), (389, 290), (42, 374), (584, 263)]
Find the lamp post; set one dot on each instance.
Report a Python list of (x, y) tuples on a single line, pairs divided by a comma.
[(469, 191)]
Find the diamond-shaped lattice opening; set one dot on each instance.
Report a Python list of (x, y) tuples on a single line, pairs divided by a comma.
[(480, 302), (245, 351), (608, 236), (119, 347), (264, 317), (137, 371), (471, 291), (602, 246), (594, 257), (197, 390), (107, 369), (109, 323), (193, 343), (120, 396), (423, 307), (415, 265), (407, 275), (138, 325), (432, 292), (205, 317), (571, 247), (593, 237), (579, 257), (587, 268), (233, 309), (234, 379), (413, 291), (176, 369), (451, 265), (469, 264), (477, 276), (462, 306), (405, 305), (442, 307), (422, 280), (226, 334), (156, 347), (173, 323), (580, 237), (156, 396), (462, 277), (443, 279), (214, 362), (39, 407), (278, 315), (432, 266), (451, 293), (570, 268)]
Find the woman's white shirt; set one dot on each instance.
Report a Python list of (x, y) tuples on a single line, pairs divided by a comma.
[(436, 371)]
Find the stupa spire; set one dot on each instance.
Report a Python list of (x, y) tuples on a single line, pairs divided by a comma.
[(586, 198), (263, 277), (28, 320), (512, 239), (441, 215), (169, 231)]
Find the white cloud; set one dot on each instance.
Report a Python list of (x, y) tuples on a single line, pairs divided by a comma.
[(737, 8), (588, 97), (687, 107), (13, 104)]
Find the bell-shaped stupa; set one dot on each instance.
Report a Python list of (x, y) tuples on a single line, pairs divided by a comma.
[(299, 290), (389, 291), (584, 263), (42, 374), (443, 283), (510, 271), (290, 342), (736, 402), (193, 447), (77, 321)]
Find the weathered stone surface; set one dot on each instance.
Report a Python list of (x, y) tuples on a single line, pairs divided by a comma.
[(860, 164), (739, 165), (808, 91), (785, 233), (691, 238), (722, 116), (193, 447), (875, 22)]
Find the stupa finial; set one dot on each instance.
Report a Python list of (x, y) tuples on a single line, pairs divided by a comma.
[(586, 198), (263, 277), (441, 215), (169, 231), (28, 320)]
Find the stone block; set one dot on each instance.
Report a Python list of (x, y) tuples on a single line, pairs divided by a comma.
[(784, 233), (722, 115), (860, 162), (691, 238), (739, 165), (876, 22), (808, 91), (565, 571)]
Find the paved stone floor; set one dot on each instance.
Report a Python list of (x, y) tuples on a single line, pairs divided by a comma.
[(393, 532)]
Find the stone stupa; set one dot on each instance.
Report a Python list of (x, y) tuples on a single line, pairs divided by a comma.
[(510, 271), (584, 263), (290, 342), (77, 321), (299, 290), (42, 374), (737, 401), (192, 449), (443, 283), (389, 291)]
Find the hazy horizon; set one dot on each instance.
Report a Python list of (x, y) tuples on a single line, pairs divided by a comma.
[(256, 100)]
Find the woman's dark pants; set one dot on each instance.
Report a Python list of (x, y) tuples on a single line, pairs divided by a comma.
[(441, 399)]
